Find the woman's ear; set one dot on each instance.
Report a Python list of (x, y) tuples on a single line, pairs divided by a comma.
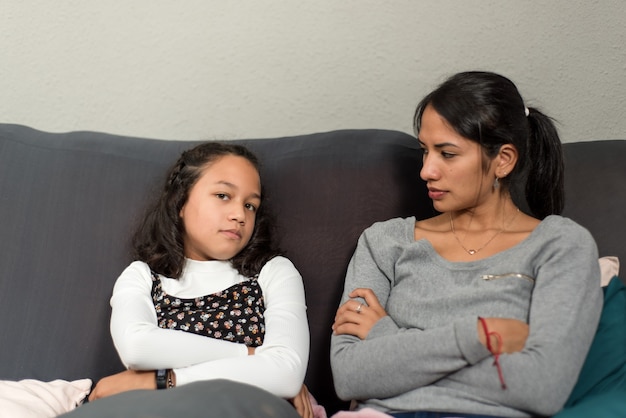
[(506, 160)]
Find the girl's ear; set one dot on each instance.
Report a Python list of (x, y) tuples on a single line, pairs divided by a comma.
[(506, 160)]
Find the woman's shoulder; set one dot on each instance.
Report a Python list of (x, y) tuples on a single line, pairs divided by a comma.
[(393, 226), (564, 228), (561, 234)]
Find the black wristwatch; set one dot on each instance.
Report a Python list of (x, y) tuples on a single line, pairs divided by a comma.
[(161, 379)]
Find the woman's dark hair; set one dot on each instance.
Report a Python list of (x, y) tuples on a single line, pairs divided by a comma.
[(159, 238), (487, 108)]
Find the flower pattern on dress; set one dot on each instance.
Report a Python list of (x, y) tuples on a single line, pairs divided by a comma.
[(234, 314)]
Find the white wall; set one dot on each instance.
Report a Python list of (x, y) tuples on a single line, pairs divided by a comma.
[(201, 69)]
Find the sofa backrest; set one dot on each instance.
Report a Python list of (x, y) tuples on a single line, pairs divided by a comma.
[(595, 190), (69, 201)]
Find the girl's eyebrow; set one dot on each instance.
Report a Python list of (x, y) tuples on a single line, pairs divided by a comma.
[(232, 186)]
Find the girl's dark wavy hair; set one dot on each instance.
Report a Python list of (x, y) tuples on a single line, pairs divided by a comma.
[(158, 239), (487, 108)]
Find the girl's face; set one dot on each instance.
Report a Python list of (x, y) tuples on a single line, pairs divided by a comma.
[(220, 212), (452, 166)]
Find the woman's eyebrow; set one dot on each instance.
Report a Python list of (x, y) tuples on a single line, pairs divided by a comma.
[(441, 144)]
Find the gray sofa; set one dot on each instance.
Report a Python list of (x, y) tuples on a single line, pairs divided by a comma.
[(68, 202)]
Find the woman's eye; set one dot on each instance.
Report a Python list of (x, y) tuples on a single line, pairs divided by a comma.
[(221, 196), (447, 154)]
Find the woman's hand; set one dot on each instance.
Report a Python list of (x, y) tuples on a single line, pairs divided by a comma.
[(356, 318), (512, 334), (123, 382), (302, 403)]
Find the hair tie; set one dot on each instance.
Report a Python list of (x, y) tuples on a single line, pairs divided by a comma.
[(526, 111), (496, 354)]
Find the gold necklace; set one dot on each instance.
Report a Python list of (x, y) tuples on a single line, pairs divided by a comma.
[(471, 251)]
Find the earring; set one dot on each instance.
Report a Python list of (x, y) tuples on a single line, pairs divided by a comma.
[(496, 184)]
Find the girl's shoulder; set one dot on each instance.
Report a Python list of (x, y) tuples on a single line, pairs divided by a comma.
[(278, 267), (280, 276), (136, 273), (279, 262)]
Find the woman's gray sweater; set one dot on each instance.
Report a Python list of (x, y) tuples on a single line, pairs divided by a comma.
[(426, 354)]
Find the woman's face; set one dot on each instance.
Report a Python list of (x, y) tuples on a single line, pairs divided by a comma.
[(220, 212), (452, 166)]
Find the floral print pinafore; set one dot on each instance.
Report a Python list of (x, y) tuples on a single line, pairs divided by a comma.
[(234, 314)]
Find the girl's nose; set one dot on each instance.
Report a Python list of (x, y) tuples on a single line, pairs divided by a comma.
[(238, 215)]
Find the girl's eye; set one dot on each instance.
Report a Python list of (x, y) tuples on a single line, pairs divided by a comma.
[(221, 196), (250, 207)]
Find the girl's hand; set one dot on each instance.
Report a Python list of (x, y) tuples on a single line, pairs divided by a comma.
[(302, 403), (122, 382), (512, 334), (356, 318)]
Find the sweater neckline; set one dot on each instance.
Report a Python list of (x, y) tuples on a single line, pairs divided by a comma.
[(478, 263)]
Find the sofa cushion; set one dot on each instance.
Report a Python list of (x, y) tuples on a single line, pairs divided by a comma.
[(214, 398), (604, 370), (609, 267), (31, 398)]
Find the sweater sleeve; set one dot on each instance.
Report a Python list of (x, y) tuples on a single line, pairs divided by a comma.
[(279, 365), (394, 360), (564, 314), (139, 341)]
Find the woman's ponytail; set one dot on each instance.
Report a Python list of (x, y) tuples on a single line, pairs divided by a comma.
[(544, 184)]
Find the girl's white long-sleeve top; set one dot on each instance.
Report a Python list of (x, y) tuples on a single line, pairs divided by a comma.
[(278, 366)]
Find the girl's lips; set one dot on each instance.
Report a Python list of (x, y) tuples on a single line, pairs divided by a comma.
[(232, 233), (436, 194)]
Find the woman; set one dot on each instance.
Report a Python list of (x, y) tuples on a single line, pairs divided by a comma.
[(484, 309)]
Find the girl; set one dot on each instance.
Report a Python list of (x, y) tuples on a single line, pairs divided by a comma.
[(484, 309), (209, 297)]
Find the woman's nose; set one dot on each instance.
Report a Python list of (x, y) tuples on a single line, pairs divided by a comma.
[(429, 170)]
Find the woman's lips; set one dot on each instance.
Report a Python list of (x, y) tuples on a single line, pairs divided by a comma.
[(436, 194)]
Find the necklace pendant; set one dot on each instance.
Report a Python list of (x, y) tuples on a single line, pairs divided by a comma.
[(471, 252)]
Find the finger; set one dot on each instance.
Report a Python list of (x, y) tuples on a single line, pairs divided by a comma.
[(308, 408), (368, 295), (297, 403), (300, 402), (351, 329), (349, 317), (349, 307)]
